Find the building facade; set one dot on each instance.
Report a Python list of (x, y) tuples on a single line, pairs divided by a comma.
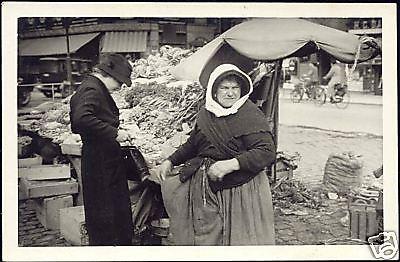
[(368, 75)]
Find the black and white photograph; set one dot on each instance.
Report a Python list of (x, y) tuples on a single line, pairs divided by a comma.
[(172, 131)]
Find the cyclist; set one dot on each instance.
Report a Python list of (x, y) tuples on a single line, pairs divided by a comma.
[(311, 77), (337, 75)]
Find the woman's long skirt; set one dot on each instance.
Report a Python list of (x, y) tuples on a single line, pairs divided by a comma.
[(106, 200), (241, 215)]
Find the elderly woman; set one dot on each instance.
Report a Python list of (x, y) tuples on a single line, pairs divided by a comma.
[(221, 195)]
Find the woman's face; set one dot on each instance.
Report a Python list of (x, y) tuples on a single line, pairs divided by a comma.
[(112, 84), (228, 92)]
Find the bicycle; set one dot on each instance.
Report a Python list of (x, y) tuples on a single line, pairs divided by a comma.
[(341, 97), (297, 94)]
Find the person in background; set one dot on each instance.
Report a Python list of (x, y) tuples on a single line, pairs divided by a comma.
[(130, 59), (336, 75), (221, 195), (95, 116), (311, 75)]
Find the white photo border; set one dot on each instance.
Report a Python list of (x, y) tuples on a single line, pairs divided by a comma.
[(12, 10)]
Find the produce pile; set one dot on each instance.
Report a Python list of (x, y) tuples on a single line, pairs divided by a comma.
[(154, 109), (51, 120), (159, 64), (24, 140)]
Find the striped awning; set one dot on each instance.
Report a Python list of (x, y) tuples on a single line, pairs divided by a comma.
[(53, 45), (124, 42)]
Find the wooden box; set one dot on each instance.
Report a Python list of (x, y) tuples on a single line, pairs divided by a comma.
[(363, 218), (48, 210), (21, 193), (31, 161), (72, 225), (45, 172), (71, 149), (46, 188)]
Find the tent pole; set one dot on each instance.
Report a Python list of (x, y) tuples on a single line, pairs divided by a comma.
[(275, 114), (277, 80)]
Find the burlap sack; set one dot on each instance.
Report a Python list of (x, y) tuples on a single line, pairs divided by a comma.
[(343, 172)]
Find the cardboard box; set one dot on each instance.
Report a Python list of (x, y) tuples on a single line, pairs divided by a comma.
[(73, 226), (47, 188), (45, 172), (48, 210)]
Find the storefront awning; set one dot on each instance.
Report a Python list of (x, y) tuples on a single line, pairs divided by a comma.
[(124, 42), (53, 45)]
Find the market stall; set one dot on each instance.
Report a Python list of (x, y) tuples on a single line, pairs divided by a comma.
[(160, 107)]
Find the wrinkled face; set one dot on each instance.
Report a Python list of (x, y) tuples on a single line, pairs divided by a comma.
[(228, 92)]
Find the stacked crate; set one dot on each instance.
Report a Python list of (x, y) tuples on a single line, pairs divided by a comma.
[(363, 217), (50, 187), (73, 226)]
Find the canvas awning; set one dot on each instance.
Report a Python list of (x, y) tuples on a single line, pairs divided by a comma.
[(53, 45), (124, 42), (270, 39)]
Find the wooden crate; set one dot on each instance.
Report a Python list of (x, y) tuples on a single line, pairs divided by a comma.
[(363, 218), (30, 161), (48, 210), (73, 226), (47, 188), (21, 193), (45, 172), (71, 149)]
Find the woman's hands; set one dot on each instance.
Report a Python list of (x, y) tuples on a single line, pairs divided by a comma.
[(163, 170), (216, 171), (221, 168)]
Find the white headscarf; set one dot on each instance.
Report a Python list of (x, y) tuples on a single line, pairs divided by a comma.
[(212, 105)]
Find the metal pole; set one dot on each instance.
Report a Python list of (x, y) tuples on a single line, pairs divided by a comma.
[(69, 67)]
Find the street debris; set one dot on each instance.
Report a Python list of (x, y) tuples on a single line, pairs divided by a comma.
[(291, 193), (332, 195)]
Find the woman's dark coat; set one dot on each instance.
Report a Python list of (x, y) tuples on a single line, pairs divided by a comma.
[(95, 116)]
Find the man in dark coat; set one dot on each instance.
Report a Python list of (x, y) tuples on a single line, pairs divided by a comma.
[(95, 116)]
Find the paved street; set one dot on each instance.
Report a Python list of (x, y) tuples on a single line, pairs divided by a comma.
[(363, 118), (316, 132)]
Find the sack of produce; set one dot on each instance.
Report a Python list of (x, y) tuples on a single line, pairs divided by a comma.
[(343, 172)]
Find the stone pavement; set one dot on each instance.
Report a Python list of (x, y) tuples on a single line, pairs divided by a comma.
[(31, 232), (308, 227), (313, 227), (316, 145)]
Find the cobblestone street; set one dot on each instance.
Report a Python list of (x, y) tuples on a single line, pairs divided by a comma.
[(316, 145), (308, 226)]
